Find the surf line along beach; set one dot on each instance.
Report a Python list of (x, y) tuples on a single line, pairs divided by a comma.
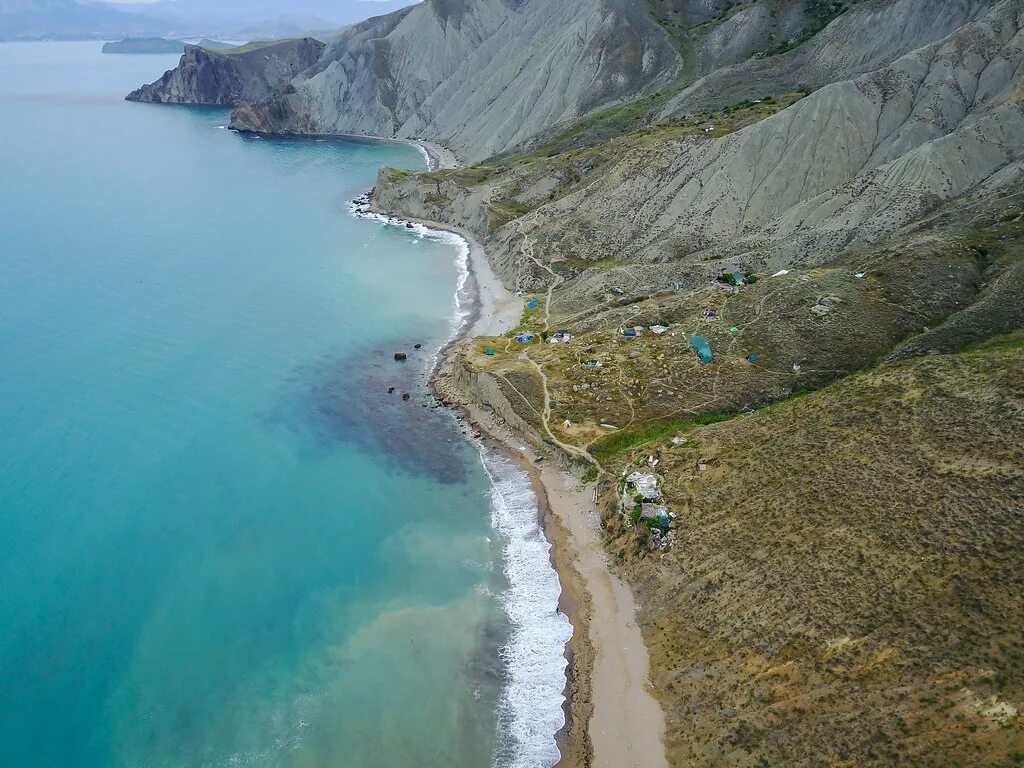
[(611, 720)]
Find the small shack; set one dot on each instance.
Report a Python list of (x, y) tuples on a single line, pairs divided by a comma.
[(702, 347), (644, 485), (657, 513)]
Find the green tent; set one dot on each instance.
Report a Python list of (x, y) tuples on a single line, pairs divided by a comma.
[(703, 347)]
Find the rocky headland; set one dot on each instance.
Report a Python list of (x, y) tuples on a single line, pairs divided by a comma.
[(229, 77)]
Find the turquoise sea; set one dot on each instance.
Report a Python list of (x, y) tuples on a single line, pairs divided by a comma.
[(222, 542)]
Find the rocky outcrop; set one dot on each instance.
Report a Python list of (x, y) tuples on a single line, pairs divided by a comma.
[(479, 77), (226, 78)]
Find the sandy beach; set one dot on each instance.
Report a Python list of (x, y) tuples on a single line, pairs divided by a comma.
[(612, 719), (622, 725)]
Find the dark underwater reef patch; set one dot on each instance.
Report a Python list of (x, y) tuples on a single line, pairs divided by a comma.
[(349, 400)]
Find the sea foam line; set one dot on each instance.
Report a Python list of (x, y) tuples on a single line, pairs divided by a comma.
[(530, 711), (462, 301)]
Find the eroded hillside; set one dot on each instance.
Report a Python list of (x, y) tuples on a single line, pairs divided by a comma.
[(478, 77), (845, 587)]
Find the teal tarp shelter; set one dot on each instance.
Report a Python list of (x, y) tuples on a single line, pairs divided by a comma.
[(703, 347)]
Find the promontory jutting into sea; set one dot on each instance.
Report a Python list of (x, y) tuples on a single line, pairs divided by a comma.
[(511, 383)]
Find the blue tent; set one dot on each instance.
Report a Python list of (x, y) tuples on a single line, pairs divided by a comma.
[(629, 333), (524, 338), (532, 305), (703, 347)]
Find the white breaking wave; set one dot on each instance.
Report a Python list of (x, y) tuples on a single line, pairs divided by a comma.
[(530, 710), (461, 311)]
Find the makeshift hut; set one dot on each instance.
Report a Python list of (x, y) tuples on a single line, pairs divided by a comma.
[(644, 484), (657, 512)]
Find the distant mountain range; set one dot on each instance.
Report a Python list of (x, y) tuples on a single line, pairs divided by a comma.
[(258, 19), (31, 19)]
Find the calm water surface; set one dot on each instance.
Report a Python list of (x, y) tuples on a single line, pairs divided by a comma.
[(223, 542)]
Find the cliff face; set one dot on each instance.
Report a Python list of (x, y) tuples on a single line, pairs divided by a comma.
[(479, 77), (228, 77)]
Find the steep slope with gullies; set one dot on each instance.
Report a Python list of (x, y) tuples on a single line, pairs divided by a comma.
[(844, 166), (228, 77), (478, 77), (867, 36)]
